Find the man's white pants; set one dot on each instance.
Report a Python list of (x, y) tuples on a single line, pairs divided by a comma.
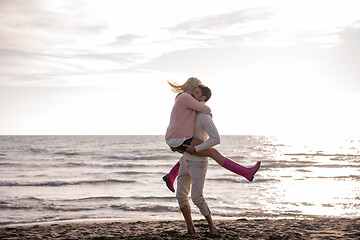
[(192, 173)]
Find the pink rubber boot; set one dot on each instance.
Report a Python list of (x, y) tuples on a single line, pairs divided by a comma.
[(170, 177), (248, 173)]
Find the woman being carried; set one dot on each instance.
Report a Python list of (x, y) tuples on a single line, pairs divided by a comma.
[(181, 128)]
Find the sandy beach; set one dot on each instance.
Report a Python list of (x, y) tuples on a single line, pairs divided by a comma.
[(318, 228)]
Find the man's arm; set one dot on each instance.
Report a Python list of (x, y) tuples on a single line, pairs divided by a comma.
[(214, 137)]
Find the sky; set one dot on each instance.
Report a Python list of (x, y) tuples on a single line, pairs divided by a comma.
[(102, 66)]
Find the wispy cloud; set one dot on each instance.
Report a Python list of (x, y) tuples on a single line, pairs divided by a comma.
[(246, 26), (225, 20), (125, 39), (40, 25), (54, 42), (56, 68), (265, 26)]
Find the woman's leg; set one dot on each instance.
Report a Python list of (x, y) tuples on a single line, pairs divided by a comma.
[(210, 152), (226, 163), (230, 165), (170, 177)]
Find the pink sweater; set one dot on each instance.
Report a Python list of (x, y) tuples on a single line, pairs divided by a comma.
[(183, 114)]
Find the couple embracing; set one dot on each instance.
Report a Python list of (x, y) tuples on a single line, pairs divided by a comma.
[(193, 133)]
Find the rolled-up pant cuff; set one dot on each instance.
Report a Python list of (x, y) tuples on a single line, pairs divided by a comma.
[(184, 208), (205, 211)]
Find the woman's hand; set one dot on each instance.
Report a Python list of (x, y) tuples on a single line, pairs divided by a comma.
[(190, 149)]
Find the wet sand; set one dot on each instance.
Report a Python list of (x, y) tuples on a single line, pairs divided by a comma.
[(318, 228)]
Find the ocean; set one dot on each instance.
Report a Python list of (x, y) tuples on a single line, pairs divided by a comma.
[(52, 178)]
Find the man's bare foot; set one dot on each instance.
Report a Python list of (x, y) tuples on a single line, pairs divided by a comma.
[(212, 228), (214, 231), (191, 231)]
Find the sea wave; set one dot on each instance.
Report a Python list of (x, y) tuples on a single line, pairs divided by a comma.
[(9, 164), (93, 165), (5, 206), (138, 173), (145, 157), (21, 203), (64, 208), (63, 183), (121, 165), (240, 180), (38, 150), (304, 164), (101, 198), (322, 154), (118, 157), (343, 177), (130, 199), (154, 208), (69, 208), (68, 153)]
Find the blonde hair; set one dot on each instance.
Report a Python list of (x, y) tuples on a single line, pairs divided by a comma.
[(189, 86)]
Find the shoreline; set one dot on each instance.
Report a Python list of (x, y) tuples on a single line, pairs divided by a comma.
[(316, 228), (128, 220)]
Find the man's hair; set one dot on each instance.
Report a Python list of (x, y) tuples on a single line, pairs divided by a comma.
[(205, 91)]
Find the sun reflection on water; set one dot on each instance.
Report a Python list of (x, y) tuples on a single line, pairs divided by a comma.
[(316, 177)]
